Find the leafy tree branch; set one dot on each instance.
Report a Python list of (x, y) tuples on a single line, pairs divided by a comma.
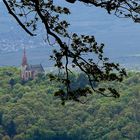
[(29, 13)]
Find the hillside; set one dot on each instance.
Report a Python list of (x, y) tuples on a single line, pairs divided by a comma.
[(121, 36), (29, 111)]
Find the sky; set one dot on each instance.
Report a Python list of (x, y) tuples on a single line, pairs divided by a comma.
[(120, 36)]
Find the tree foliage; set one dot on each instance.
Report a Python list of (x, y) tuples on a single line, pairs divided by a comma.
[(120, 8), (30, 13), (32, 112)]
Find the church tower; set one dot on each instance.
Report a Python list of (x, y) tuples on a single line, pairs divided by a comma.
[(24, 66), (29, 71), (24, 59)]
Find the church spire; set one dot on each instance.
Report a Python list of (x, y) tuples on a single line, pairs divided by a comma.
[(24, 58)]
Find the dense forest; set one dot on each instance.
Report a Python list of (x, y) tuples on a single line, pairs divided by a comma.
[(30, 111)]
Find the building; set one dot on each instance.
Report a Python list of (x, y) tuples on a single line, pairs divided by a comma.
[(29, 71)]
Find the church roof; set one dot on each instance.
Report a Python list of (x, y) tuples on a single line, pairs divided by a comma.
[(37, 68)]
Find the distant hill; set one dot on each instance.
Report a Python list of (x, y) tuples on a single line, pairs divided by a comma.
[(121, 36)]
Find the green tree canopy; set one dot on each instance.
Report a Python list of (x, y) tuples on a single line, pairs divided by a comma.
[(31, 112)]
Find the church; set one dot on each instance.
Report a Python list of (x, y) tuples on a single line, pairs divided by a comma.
[(29, 71)]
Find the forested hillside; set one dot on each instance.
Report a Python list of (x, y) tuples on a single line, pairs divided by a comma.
[(29, 111)]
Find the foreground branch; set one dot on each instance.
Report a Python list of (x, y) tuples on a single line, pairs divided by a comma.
[(17, 19)]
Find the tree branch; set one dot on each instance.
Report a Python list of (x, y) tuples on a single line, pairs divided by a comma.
[(17, 19)]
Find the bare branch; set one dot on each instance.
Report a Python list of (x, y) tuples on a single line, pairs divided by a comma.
[(17, 19)]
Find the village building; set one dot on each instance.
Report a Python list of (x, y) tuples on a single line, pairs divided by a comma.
[(29, 71)]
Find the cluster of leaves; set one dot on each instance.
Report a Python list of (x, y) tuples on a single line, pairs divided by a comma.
[(81, 51), (25, 12), (97, 67), (31, 112), (121, 8)]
